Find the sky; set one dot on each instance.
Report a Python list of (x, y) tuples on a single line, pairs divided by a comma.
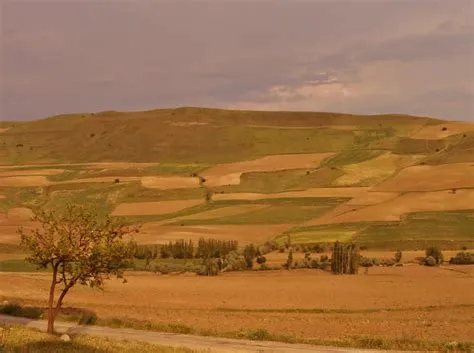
[(352, 56)]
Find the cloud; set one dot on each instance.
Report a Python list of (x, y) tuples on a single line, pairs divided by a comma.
[(344, 55)]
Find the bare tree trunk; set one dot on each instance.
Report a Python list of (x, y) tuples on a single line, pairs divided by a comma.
[(51, 301)]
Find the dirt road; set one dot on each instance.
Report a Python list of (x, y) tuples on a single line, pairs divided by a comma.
[(212, 344)]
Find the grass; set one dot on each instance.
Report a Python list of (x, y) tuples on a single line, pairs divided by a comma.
[(275, 214), (428, 226), (322, 234), (22, 339), (351, 156), (18, 265), (285, 180), (134, 192)]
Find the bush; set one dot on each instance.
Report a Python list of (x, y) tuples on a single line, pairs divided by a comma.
[(435, 253), (398, 256), (462, 258), (14, 309), (261, 260), (430, 261), (281, 249)]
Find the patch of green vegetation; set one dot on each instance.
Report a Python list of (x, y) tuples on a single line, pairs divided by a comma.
[(280, 181), (19, 197), (352, 156), (66, 176), (321, 234), (20, 339), (453, 226), (275, 214), (406, 145), (18, 265), (177, 169), (96, 194), (364, 137), (134, 192)]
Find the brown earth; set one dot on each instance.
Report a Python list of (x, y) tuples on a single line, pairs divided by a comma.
[(158, 233), (153, 208), (229, 173), (431, 178), (23, 181), (11, 221), (41, 172), (414, 301), (315, 192), (393, 209), (169, 182)]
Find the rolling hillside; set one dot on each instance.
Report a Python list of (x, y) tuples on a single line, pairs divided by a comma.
[(385, 181)]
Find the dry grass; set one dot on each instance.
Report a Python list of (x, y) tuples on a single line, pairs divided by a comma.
[(436, 132), (153, 208), (21, 339)]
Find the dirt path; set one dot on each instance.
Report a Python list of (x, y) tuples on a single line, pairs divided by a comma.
[(178, 340)]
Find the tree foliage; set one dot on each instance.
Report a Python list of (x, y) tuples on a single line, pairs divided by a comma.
[(79, 248)]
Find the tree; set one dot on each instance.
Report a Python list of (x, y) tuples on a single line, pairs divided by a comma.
[(249, 255), (79, 248)]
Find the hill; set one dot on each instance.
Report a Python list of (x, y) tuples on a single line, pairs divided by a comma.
[(386, 181)]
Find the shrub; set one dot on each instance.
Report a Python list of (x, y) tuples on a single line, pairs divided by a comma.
[(435, 253), (462, 258), (117, 181), (324, 258), (366, 262), (430, 261), (314, 263), (281, 249), (14, 309), (398, 256), (261, 260)]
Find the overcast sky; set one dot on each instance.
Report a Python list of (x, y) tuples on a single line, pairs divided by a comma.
[(357, 56)]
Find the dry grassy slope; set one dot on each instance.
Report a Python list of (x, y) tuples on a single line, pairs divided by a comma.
[(191, 135)]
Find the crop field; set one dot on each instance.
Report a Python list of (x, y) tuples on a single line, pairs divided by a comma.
[(386, 182), (431, 304)]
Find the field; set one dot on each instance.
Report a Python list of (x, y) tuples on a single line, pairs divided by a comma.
[(431, 304), (386, 182)]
